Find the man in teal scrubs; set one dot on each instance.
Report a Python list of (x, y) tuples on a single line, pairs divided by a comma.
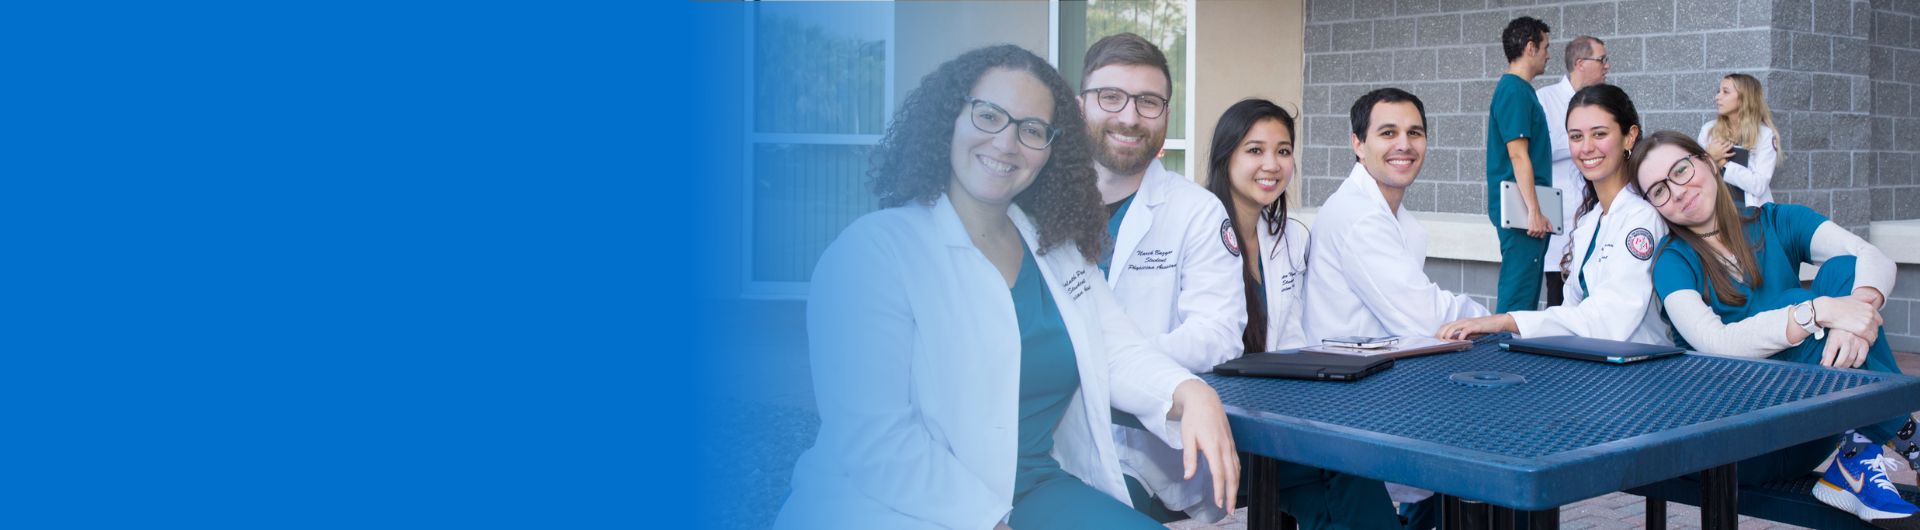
[(1520, 150)]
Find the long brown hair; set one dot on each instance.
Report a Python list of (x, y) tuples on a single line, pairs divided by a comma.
[(1732, 235), (1227, 134)]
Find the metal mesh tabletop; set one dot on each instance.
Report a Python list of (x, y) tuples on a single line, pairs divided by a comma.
[(1659, 418)]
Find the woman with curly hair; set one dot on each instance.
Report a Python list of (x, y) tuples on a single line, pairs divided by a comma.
[(967, 358)]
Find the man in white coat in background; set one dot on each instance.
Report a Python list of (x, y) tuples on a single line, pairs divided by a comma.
[(1587, 65), (1174, 267), (1367, 272)]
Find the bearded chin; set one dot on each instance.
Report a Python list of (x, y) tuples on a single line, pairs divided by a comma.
[(1123, 163)]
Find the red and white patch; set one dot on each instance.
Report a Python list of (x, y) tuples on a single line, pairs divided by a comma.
[(1640, 243), (1227, 237)]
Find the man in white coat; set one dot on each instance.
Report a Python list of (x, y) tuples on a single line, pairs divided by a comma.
[(1367, 273), (1587, 65), (1175, 267)]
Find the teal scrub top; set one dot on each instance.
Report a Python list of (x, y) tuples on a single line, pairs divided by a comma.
[(1115, 212), (1049, 376), (1782, 234), (1516, 113)]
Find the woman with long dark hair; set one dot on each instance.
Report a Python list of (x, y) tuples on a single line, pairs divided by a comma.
[(1729, 280), (1248, 168), (967, 358), (1608, 290)]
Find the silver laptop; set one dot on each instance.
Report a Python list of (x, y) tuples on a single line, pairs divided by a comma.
[(1513, 212)]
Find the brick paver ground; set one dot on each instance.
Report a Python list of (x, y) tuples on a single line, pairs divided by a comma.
[(1616, 511)]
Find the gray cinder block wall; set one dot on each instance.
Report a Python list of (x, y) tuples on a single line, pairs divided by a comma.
[(1842, 77)]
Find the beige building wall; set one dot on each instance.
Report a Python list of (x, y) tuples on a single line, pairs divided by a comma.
[(1246, 48)]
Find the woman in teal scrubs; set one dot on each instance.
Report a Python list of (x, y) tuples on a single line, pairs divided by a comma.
[(967, 358), (1728, 279)]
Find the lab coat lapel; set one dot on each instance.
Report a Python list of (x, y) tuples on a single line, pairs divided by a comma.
[(1138, 221), (1068, 276), (1407, 229)]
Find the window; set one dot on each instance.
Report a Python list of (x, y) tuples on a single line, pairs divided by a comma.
[(1164, 22), (821, 93)]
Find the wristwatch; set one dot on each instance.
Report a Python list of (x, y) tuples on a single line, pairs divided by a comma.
[(1806, 322)]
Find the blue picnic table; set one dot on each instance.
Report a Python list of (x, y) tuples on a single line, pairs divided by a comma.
[(1529, 433)]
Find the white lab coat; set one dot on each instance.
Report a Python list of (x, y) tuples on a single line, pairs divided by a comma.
[(1757, 175), (1367, 275), (1180, 282), (1572, 185), (1620, 302), (1285, 263), (916, 368), (1174, 273)]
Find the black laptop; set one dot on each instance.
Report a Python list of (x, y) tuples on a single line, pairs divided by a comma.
[(1305, 365), (1597, 350)]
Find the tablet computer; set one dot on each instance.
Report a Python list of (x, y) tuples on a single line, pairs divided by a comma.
[(1513, 211), (1305, 365), (1586, 349)]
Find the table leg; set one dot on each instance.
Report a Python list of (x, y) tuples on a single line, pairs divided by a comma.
[(1262, 500), (1450, 516), (1500, 518), (1548, 519), (1656, 513), (1719, 498)]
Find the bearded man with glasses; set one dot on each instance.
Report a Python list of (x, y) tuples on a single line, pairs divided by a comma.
[(1174, 263)]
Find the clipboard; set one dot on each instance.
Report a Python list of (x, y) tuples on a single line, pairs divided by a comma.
[(1740, 156), (1513, 212)]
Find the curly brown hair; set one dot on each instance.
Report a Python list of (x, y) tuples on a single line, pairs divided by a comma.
[(913, 161)]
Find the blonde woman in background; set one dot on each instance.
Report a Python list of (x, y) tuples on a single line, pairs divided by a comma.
[(1745, 122)]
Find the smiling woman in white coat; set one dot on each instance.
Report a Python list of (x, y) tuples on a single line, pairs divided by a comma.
[(1608, 291), (1248, 170), (966, 356)]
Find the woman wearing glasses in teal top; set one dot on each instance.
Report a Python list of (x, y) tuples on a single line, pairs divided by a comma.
[(967, 357), (1729, 280)]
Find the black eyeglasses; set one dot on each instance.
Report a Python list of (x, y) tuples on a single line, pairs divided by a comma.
[(991, 119), (1681, 173), (1114, 100), (1601, 59)]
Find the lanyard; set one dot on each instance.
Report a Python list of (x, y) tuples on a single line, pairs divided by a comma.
[(1584, 260)]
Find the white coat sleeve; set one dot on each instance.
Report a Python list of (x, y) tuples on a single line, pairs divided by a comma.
[(1141, 377), (1211, 304), (861, 331), (1617, 299), (1393, 284), (1556, 127), (1757, 176), (1758, 336), (1872, 268)]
